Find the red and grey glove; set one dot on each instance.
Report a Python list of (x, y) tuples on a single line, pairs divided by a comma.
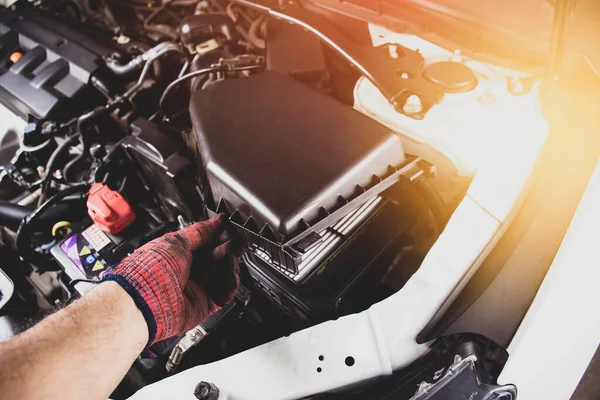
[(157, 275)]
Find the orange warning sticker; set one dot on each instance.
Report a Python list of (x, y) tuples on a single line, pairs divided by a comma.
[(85, 251)]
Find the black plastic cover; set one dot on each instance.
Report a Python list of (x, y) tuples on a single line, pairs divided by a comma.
[(166, 167), (362, 258), (283, 155), (454, 77), (56, 65), (197, 29)]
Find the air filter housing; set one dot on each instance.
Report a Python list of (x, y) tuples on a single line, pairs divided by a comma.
[(285, 161)]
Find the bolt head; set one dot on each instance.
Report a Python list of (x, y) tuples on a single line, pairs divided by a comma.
[(48, 127), (206, 391), (518, 86), (413, 105), (457, 56), (488, 98), (122, 39)]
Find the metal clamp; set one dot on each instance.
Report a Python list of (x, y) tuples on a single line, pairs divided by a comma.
[(189, 340)]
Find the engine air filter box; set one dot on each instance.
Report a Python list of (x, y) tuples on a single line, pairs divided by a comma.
[(285, 160)]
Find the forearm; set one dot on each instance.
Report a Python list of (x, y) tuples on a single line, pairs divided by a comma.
[(82, 351)]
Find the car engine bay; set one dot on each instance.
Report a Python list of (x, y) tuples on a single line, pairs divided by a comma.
[(338, 150)]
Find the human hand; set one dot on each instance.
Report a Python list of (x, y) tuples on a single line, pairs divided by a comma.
[(157, 275)]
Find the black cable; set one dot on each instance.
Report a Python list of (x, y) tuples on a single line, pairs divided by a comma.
[(99, 111), (70, 287), (64, 146), (54, 157), (23, 237), (82, 123), (69, 166), (71, 284), (18, 179), (185, 77), (122, 185), (204, 71)]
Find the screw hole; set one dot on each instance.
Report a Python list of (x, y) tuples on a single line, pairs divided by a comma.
[(319, 369), (61, 43), (349, 361), (404, 74), (321, 358)]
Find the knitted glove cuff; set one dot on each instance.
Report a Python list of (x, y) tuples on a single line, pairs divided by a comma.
[(139, 301)]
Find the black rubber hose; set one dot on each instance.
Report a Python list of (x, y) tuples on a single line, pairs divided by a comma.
[(123, 69), (201, 72), (66, 172), (28, 224), (82, 124), (56, 154), (50, 165), (255, 32), (434, 200), (199, 62), (12, 214), (196, 83), (188, 76), (98, 112)]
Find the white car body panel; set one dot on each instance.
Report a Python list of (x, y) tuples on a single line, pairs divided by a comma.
[(563, 312)]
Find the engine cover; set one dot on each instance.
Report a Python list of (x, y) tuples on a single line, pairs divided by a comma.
[(53, 65)]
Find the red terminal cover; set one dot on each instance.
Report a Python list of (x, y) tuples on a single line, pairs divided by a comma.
[(108, 209)]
